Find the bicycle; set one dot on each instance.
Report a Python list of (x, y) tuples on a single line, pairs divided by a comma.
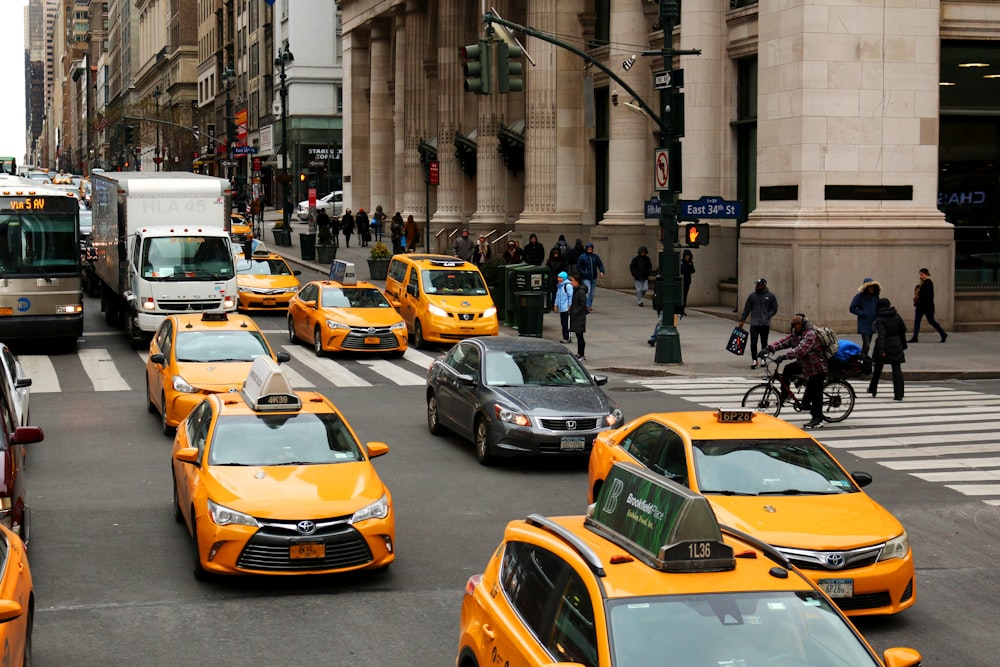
[(770, 396)]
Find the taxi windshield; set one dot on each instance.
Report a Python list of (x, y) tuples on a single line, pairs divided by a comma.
[(281, 439), (733, 629), (216, 346), (353, 297), (778, 466), (262, 267), (451, 281), (512, 368)]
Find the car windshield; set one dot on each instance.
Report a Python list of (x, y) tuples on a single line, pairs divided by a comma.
[(551, 369), (262, 267), (353, 297), (187, 257), (779, 466), (733, 629), (216, 346), (451, 281), (282, 439)]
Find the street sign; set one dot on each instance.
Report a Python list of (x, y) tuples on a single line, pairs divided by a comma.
[(661, 169), (256, 164), (654, 208), (673, 78), (710, 207), (312, 197), (244, 150), (433, 173), (230, 163)]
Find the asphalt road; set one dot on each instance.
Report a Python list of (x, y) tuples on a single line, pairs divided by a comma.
[(113, 575)]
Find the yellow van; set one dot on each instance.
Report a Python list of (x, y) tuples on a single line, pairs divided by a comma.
[(442, 299)]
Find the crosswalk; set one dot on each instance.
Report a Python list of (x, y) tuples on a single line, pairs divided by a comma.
[(948, 435)]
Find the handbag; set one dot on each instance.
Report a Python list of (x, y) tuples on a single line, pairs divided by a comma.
[(737, 341)]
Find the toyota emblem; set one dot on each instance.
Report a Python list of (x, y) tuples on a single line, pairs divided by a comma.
[(371, 330), (835, 561), (571, 424), (306, 527)]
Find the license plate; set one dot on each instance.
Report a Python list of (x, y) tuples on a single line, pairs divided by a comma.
[(308, 550), (6, 311), (572, 444), (838, 588), (372, 340), (268, 302), (464, 329)]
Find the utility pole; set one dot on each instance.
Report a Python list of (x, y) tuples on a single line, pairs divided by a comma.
[(156, 100)]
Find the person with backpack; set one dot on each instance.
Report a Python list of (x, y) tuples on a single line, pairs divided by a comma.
[(563, 300), (804, 346)]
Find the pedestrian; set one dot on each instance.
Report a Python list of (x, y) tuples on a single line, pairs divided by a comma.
[(482, 253), (534, 252), (687, 270), (463, 246), (286, 211), (411, 234), (658, 307), (889, 348), (556, 264), (378, 222), (335, 229), (578, 310), (563, 246), (805, 348), (347, 226), (364, 227), (563, 301), (574, 254), (864, 305), (760, 307), (322, 221), (641, 267), (512, 255), (396, 233), (923, 304), (590, 267)]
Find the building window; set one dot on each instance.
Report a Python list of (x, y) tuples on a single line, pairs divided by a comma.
[(746, 134)]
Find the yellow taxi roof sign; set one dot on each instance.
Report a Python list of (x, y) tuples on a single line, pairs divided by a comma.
[(267, 388), (343, 272)]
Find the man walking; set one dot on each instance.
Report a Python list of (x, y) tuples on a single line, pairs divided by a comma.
[(923, 304), (590, 267), (641, 268), (760, 307), (463, 246)]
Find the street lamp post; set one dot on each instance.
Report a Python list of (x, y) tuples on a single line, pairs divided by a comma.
[(156, 99), (284, 57), (227, 80)]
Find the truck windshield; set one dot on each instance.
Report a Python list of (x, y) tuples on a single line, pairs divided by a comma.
[(187, 258), (38, 244)]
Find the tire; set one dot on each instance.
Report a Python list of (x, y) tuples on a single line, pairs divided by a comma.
[(291, 332), (28, 630), (483, 440), (317, 342), (167, 429), (838, 400), (178, 515), (199, 572), (763, 398), (433, 422), (418, 336), (150, 406)]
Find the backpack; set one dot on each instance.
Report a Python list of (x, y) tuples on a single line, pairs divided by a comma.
[(827, 341)]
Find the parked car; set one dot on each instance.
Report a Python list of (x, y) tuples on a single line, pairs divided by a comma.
[(18, 384), (332, 203)]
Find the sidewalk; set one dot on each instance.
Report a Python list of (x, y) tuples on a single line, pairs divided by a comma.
[(618, 329)]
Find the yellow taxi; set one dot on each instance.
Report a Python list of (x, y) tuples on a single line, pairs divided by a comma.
[(442, 299), (273, 481), (345, 314), (649, 577), (772, 480), (239, 228), (265, 281), (17, 600), (193, 355)]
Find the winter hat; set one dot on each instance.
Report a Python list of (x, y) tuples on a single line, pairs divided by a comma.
[(589, 245), (883, 303), (642, 249), (870, 282), (761, 281), (563, 275)]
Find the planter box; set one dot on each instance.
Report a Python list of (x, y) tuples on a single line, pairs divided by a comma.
[(325, 254), (282, 237), (378, 269)]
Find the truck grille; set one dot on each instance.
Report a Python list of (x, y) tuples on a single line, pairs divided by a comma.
[(182, 306)]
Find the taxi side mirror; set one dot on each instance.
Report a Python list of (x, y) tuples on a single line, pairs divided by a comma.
[(901, 657), (600, 380), (466, 379), (394, 303), (187, 455), (309, 304), (10, 610), (283, 357), (157, 358), (861, 478), (411, 289), (25, 435), (296, 272), (376, 449)]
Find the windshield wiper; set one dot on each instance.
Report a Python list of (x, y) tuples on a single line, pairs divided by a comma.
[(796, 492), (727, 492)]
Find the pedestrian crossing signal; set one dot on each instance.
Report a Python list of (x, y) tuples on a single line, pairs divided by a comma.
[(696, 234)]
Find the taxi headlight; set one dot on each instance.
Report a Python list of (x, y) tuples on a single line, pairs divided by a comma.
[(377, 510), (246, 290), (397, 326), (181, 385), (490, 312), (437, 310), (897, 547), (292, 290), (511, 417), (336, 325), (614, 418), (223, 516)]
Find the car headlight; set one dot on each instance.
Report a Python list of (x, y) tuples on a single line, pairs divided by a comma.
[(614, 418), (437, 310), (331, 324), (181, 385), (292, 290), (397, 326), (223, 516), (377, 510), (511, 417), (246, 290), (490, 312), (897, 547)]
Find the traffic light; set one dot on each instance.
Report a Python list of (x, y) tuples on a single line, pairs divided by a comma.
[(129, 135), (476, 67), (696, 234), (509, 68), (230, 133)]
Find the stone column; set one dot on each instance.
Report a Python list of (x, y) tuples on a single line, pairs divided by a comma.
[(847, 157), (449, 104), (492, 177), (399, 113), (381, 155), (540, 184), (417, 98), (356, 123)]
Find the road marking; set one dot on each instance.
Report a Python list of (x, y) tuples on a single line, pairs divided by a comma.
[(42, 373), (397, 374), (100, 367), (331, 370)]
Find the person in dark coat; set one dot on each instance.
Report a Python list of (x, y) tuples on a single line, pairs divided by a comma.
[(396, 233), (923, 304), (641, 267), (889, 347), (687, 270), (864, 305), (347, 226), (364, 228), (534, 252), (556, 264), (513, 254), (563, 246), (335, 229), (411, 232), (322, 221), (574, 254), (578, 315), (760, 307)]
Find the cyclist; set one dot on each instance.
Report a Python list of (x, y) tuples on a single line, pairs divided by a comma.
[(803, 345)]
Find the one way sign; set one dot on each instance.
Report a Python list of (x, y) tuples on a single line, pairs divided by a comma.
[(664, 79)]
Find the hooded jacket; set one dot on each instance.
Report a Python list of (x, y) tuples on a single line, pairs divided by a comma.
[(891, 332), (641, 266), (864, 305), (761, 307)]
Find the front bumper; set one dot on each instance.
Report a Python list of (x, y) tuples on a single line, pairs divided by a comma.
[(437, 329), (378, 339), (886, 587), (254, 301), (513, 440)]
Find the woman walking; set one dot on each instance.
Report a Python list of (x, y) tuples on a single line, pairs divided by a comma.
[(578, 315), (889, 346), (347, 226)]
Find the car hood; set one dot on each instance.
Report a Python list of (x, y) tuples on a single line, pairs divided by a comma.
[(266, 282), (295, 492), (562, 400), (458, 303), (841, 521), (215, 376), (363, 317)]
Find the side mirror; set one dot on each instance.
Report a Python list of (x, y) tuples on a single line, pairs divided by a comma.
[(376, 449), (412, 289), (25, 435), (283, 357), (862, 479), (187, 455), (296, 272), (22, 383), (157, 358), (600, 379), (901, 657), (466, 380), (309, 304), (10, 610)]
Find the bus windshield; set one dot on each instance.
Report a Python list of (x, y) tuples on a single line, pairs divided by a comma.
[(36, 244)]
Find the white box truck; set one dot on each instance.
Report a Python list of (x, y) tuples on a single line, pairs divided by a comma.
[(162, 247)]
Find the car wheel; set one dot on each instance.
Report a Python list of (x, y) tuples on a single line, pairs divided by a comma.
[(150, 405), (317, 342), (291, 331), (433, 423), (483, 441), (418, 336), (167, 428), (199, 572), (28, 629), (178, 515)]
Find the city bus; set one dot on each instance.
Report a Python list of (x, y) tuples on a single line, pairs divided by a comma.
[(8, 165), (40, 280)]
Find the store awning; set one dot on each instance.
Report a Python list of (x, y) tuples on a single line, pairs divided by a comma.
[(466, 147), (511, 138), (428, 150)]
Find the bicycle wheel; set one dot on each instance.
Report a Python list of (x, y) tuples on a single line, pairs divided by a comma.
[(763, 398), (838, 400)]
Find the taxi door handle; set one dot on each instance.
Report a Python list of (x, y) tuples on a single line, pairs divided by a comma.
[(488, 631)]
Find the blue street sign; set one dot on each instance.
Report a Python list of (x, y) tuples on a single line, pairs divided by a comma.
[(710, 207), (654, 208), (244, 150)]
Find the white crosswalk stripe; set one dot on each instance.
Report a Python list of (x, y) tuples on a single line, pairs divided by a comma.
[(940, 434), (42, 373), (101, 370)]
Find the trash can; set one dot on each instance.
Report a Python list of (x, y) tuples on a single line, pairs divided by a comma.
[(509, 309), (530, 308), (307, 244)]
